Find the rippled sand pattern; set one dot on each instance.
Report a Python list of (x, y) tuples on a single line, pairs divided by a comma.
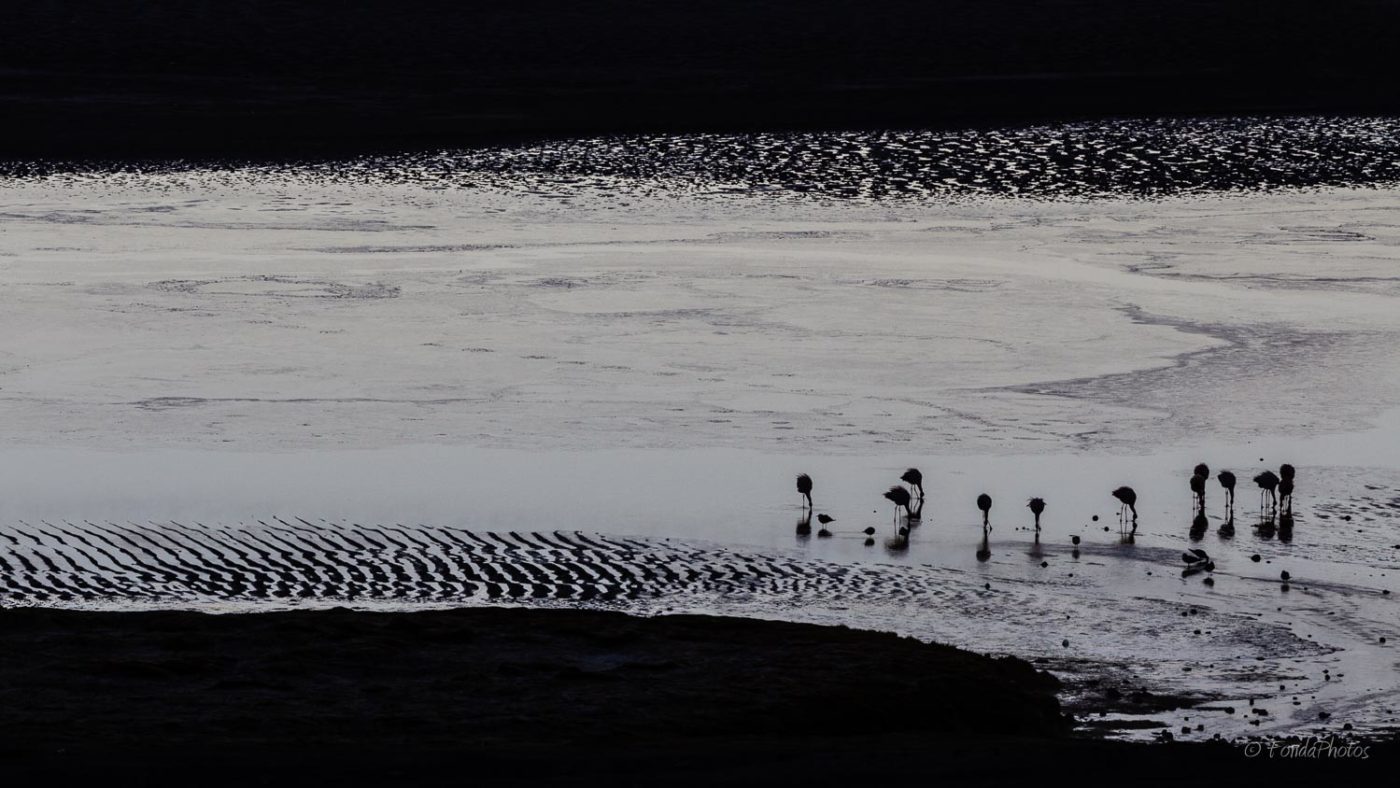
[(1144, 158)]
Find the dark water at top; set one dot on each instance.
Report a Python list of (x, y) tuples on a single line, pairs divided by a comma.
[(1126, 158)]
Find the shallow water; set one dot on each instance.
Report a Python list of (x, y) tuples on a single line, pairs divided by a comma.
[(631, 344), (1144, 158)]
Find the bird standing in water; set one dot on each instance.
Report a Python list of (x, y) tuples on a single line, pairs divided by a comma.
[(1268, 483), (1036, 505), (1285, 485), (1198, 492), (984, 502), (1227, 480), (804, 488), (899, 497), (1128, 500), (915, 480)]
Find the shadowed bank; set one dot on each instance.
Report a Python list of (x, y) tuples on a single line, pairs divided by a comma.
[(511, 696), (271, 76)]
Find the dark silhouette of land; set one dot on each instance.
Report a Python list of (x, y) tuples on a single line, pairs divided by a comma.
[(166, 77), (527, 697)]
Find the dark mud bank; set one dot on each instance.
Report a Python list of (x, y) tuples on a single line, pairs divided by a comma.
[(337, 677), (524, 697)]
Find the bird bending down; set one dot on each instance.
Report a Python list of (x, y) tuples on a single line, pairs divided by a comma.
[(1227, 480), (1268, 483), (1128, 500), (1036, 505), (984, 502), (915, 480), (1285, 486), (1198, 491), (804, 488), (899, 497)]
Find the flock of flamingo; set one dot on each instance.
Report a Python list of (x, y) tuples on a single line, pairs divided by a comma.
[(1277, 488)]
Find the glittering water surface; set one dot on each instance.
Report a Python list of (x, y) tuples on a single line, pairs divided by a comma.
[(1143, 158)]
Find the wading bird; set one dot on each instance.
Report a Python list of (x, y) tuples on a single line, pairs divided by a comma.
[(1036, 505), (1267, 482), (804, 488), (825, 519), (1227, 480), (984, 502), (1198, 491), (1128, 500), (1285, 487), (915, 480), (899, 497), (1202, 470)]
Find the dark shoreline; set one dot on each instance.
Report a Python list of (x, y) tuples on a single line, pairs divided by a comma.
[(520, 696), (125, 78)]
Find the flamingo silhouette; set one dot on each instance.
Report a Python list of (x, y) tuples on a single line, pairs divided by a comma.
[(1036, 505), (1198, 491), (1268, 483), (984, 502), (1285, 487), (915, 480), (899, 497), (804, 488), (1227, 480), (1128, 500)]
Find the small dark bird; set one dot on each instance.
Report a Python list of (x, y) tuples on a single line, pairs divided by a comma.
[(825, 519), (1227, 480), (804, 488), (1268, 483), (1197, 561), (899, 497), (984, 502), (869, 531), (1128, 499), (1036, 505), (914, 479)]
